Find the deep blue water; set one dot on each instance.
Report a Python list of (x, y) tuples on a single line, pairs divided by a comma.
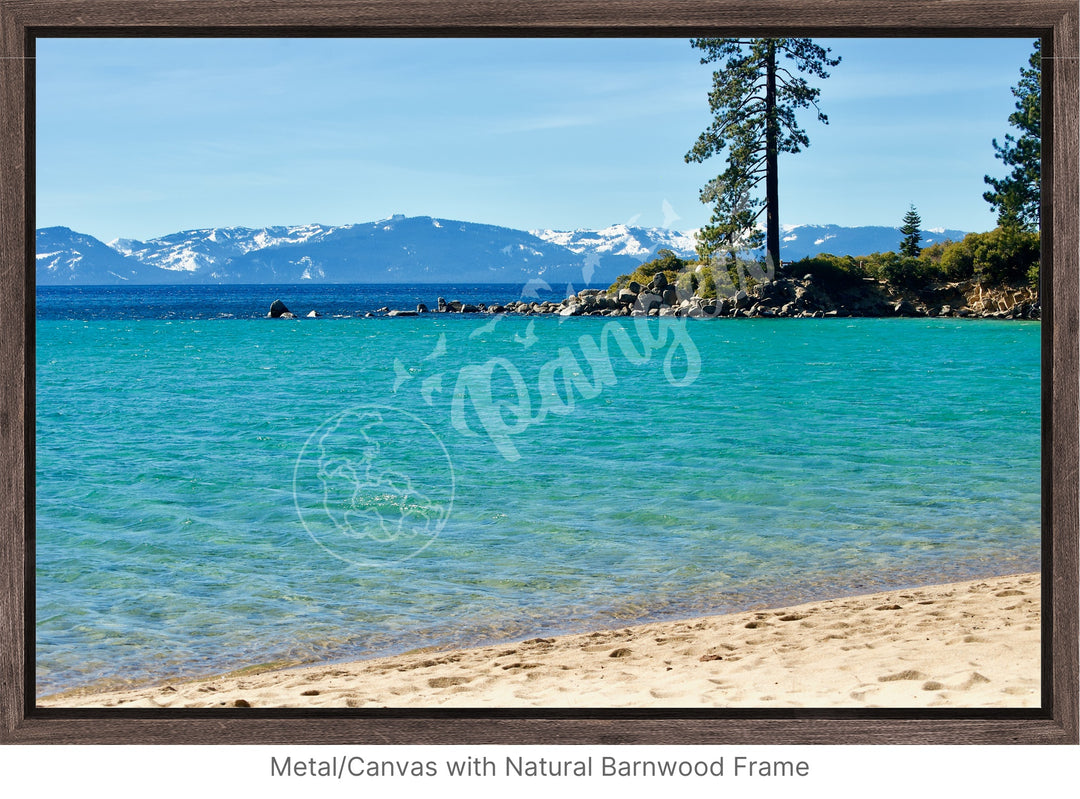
[(214, 492), (253, 302)]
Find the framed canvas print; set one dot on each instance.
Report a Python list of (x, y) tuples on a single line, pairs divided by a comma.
[(622, 372)]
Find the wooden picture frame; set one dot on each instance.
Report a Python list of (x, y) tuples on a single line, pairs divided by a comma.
[(1055, 21)]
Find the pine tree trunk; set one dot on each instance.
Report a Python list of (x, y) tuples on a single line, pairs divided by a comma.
[(772, 135)]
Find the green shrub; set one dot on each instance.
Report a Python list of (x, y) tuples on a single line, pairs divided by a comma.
[(665, 261), (1005, 255), (957, 261), (896, 269), (829, 271), (707, 284)]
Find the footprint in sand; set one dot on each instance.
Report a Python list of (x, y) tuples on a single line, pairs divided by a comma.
[(1016, 690), (909, 674), (446, 682), (973, 680)]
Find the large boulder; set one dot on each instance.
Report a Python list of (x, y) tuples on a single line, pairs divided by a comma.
[(904, 308), (647, 301), (277, 308)]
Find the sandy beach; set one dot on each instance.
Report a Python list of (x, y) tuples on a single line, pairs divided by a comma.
[(967, 644)]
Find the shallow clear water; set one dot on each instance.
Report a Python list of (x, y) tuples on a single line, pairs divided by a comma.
[(215, 493)]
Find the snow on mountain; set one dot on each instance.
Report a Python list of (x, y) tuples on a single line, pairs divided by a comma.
[(414, 250), (199, 250), (635, 242), (800, 241), (406, 250), (65, 257)]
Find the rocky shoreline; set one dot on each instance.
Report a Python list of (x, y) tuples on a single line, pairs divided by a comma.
[(784, 297)]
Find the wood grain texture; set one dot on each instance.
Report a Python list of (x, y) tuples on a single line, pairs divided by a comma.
[(16, 313), (557, 17), (1056, 20), (1061, 382)]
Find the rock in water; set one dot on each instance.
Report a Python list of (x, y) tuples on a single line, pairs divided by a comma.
[(313, 315), (647, 301), (277, 308)]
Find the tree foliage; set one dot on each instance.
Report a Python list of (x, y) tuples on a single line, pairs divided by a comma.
[(910, 244), (1015, 197), (754, 99), (1003, 256), (1006, 255)]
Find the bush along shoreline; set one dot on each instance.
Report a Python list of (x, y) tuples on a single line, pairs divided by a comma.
[(784, 297), (991, 275)]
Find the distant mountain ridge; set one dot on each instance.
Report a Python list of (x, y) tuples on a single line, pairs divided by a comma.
[(403, 250)]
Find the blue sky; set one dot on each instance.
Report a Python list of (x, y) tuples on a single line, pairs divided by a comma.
[(143, 137)]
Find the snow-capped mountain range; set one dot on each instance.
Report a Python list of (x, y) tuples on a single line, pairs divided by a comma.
[(403, 250)]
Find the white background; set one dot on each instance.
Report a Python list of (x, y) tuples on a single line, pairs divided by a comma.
[(905, 772)]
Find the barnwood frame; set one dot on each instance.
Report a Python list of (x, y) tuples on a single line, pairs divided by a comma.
[(1055, 21)]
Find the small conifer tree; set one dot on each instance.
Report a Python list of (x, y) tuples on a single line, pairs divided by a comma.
[(910, 245)]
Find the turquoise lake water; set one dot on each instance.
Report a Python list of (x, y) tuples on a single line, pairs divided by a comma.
[(216, 493)]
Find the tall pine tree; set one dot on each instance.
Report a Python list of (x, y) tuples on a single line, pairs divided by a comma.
[(1015, 197), (754, 98), (910, 245)]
